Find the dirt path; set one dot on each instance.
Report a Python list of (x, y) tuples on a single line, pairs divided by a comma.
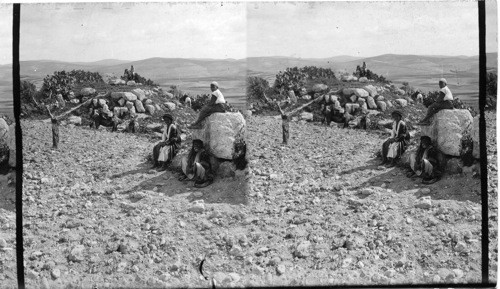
[(318, 211)]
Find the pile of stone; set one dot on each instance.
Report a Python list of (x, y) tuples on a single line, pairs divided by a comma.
[(367, 98), (121, 104)]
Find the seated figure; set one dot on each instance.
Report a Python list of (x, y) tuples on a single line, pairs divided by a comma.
[(424, 162), (196, 166)]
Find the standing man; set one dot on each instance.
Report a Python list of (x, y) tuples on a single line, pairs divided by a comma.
[(216, 104), (444, 101)]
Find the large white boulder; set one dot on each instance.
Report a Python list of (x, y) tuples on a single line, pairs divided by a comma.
[(371, 90), (223, 134), (129, 96), (447, 129), (141, 95), (363, 79), (359, 92), (474, 133)]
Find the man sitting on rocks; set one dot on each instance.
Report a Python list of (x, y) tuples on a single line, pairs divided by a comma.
[(424, 162), (395, 146), (444, 101), (196, 166), (216, 104), (165, 151)]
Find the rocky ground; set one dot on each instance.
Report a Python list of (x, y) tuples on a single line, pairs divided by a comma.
[(318, 211), (8, 275)]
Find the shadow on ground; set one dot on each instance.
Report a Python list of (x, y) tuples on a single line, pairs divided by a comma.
[(456, 187), (228, 190)]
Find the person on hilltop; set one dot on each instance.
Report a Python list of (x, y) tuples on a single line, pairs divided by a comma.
[(424, 162), (444, 101), (395, 146), (166, 149), (216, 104), (196, 166)]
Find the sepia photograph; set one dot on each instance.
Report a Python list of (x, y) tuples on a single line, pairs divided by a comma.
[(249, 144)]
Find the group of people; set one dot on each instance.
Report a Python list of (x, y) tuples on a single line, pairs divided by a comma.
[(196, 165), (425, 161)]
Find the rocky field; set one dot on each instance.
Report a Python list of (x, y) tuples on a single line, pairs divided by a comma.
[(318, 211), (8, 272)]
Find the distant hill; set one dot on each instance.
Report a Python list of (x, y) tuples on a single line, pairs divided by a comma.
[(420, 71)]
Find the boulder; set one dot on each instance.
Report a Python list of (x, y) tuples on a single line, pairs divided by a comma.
[(123, 111), (371, 103), (170, 106), (131, 83), (117, 95), (379, 97), (168, 95), (76, 120), (87, 91), (401, 102), (132, 110), (102, 102), (371, 90), (139, 107), (150, 108), (157, 107), (117, 111), (351, 107), (319, 87), (348, 91), (306, 116), (399, 91), (223, 134), (353, 98), (474, 133), (389, 103), (11, 143), (381, 105), (129, 105), (363, 79), (129, 96), (71, 95), (116, 81), (121, 102), (139, 93), (447, 129), (359, 92), (147, 101)]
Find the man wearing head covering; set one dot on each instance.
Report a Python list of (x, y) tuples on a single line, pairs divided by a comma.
[(216, 104), (165, 151), (444, 101), (424, 162), (196, 166), (395, 146)]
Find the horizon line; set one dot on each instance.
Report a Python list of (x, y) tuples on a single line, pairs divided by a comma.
[(273, 56)]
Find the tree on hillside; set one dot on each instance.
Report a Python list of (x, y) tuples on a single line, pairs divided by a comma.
[(257, 87), (58, 83)]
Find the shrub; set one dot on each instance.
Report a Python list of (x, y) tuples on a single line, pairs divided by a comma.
[(257, 87), (199, 101)]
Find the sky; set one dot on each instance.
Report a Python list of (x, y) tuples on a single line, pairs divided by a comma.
[(82, 32), (326, 29)]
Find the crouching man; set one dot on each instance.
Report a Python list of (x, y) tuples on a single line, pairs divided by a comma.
[(196, 166)]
